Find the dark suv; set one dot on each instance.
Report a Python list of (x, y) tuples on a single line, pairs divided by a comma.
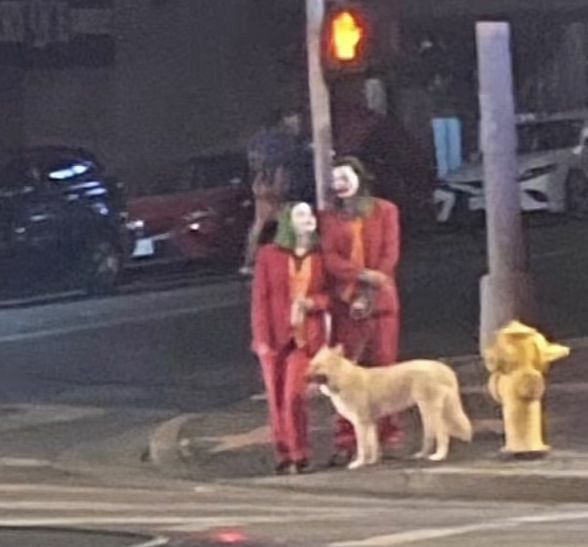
[(62, 221)]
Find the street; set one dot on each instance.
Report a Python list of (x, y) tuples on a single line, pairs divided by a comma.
[(291, 519), (86, 381), (439, 280)]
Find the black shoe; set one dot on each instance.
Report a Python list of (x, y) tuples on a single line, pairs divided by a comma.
[(341, 458), (282, 468), (301, 467)]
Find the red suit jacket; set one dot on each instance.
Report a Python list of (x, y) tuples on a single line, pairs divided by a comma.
[(381, 243), (271, 301)]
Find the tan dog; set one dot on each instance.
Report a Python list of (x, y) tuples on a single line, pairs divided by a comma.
[(362, 395)]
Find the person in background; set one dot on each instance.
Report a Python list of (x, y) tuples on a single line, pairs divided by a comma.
[(289, 302), (361, 246), (279, 164), (447, 131)]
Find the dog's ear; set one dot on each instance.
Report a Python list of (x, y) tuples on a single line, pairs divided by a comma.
[(338, 350)]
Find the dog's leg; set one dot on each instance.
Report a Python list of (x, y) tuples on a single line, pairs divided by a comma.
[(428, 432), (441, 437), (361, 430), (374, 454), (458, 424)]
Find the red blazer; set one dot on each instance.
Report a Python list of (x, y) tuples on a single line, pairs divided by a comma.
[(271, 302), (381, 241)]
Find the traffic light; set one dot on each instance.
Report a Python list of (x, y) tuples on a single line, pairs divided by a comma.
[(347, 39), (347, 35)]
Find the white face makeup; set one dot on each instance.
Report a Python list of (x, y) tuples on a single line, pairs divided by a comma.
[(345, 182), (303, 219)]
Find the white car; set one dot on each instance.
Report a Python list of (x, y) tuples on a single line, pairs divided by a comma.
[(552, 171)]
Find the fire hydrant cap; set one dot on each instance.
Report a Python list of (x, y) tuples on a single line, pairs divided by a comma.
[(516, 327)]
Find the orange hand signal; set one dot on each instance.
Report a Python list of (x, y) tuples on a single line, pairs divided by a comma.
[(347, 35)]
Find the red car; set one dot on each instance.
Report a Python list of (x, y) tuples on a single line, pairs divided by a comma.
[(210, 220)]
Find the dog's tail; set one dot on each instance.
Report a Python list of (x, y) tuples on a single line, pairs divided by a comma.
[(456, 418)]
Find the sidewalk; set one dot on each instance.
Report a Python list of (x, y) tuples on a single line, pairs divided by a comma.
[(230, 445)]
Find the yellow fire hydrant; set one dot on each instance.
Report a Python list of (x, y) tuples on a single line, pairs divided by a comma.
[(518, 361)]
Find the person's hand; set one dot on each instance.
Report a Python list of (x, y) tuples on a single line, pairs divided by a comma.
[(296, 314), (375, 278), (307, 304), (263, 350)]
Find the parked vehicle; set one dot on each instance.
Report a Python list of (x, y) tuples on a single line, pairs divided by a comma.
[(552, 171), (62, 221), (208, 218)]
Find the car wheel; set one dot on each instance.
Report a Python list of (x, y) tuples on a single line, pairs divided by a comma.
[(577, 195), (103, 267)]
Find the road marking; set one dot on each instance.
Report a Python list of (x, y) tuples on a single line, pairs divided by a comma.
[(198, 494), (58, 489), (155, 542), (155, 523), (413, 536), (28, 415), (515, 470), (552, 517), (89, 520), (177, 524), (204, 523), (200, 506), (24, 462)]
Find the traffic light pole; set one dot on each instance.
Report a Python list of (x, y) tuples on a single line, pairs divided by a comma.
[(320, 105), (506, 292)]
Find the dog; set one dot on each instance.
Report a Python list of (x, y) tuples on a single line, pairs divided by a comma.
[(363, 395)]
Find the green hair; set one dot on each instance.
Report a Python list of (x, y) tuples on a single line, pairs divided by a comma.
[(285, 235)]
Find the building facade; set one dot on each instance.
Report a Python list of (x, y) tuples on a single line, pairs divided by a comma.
[(147, 84), (144, 83)]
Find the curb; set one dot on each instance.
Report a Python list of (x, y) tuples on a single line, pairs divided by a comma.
[(442, 483), (165, 446)]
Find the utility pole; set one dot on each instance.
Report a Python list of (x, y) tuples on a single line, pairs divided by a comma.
[(506, 292), (320, 105)]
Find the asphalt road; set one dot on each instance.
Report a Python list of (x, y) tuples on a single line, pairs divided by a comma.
[(439, 283), (70, 538), (198, 510)]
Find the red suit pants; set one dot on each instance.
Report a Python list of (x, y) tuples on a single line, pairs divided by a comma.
[(284, 375), (370, 342)]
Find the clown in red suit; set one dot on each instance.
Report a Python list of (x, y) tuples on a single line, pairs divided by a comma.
[(288, 321), (361, 245)]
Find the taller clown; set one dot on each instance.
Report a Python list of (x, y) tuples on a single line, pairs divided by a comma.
[(360, 239)]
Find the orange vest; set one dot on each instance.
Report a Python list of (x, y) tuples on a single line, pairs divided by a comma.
[(357, 254), (299, 284)]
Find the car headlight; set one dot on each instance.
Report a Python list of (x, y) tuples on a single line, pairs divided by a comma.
[(135, 225), (536, 172)]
